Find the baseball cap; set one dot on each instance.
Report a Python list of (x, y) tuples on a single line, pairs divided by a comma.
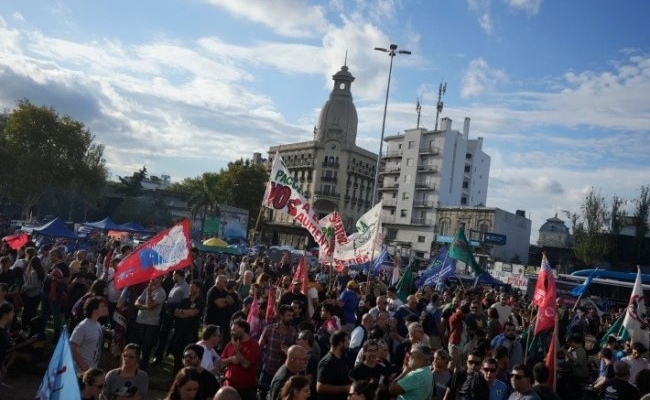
[(352, 285)]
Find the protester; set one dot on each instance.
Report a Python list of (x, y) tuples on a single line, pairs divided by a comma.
[(128, 380), (87, 338), (295, 388), (92, 384), (522, 382), (241, 359), (185, 385)]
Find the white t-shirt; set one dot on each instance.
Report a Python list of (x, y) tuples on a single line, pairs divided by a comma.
[(210, 358), (504, 312), (88, 337)]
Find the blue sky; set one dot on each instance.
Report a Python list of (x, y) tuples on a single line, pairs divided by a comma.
[(559, 90)]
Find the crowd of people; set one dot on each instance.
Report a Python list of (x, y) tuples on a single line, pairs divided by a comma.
[(348, 336)]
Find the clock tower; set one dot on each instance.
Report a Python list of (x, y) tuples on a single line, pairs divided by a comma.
[(338, 118)]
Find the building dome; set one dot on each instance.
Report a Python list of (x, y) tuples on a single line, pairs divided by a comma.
[(338, 118), (554, 225)]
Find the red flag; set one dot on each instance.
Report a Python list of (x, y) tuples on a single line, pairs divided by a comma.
[(253, 318), (302, 275), (544, 298), (15, 242), (270, 306), (167, 251), (551, 357)]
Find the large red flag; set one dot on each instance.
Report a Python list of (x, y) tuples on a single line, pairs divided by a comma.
[(551, 357), (253, 318), (167, 251), (544, 297), (270, 306), (302, 275), (16, 241)]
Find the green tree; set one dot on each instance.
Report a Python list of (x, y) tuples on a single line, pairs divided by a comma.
[(641, 216), (203, 200), (132, 185), (591, 228), (42, 152)]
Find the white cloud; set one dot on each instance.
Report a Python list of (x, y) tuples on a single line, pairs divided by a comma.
[(18, 16), (479, 77), (531, 7), (291, 18)]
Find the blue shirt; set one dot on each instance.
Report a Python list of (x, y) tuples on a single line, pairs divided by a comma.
[(350, 304), (498, 391)]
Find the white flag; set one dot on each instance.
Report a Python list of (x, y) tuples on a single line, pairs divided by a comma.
[(364, 245), (636, 318)]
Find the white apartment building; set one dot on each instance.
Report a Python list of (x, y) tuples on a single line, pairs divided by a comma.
[(424, 170)]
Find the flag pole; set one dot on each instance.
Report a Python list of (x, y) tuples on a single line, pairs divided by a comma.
[(531, 332), (555, 346)]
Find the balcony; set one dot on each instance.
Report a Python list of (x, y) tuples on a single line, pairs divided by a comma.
[(422, 204), (388, 220), (390, 170), (393, 154), (327, 196), (390, 202), (330, 164), (428, 168), (328, 178), (424, 185), (430, 150), (421, 221), (389, 186)]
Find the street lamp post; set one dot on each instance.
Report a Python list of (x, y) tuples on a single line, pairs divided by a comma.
[(392, 52)]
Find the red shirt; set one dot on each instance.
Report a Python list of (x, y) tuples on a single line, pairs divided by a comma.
[(238, 376), (456, 327)]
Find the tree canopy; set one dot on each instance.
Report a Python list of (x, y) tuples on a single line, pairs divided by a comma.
[(43, 153)]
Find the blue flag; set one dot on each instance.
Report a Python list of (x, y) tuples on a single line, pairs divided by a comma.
[(375, 265), (60, 380), (434, 267), (447, 270), (580, 290)]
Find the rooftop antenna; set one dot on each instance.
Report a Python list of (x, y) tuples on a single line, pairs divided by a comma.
[(442, 89), (418, 109), (345, 62)]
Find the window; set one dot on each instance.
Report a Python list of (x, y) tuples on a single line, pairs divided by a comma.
[(467, 168), (407, 178), (444, 227), (391, 234), (405, 196), (411, 144), (399, 146), (468, 156), (465, 184), (421, 239), (463, 201), (402, 213), (409, 162)]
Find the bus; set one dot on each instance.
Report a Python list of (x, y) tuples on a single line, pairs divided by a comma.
[(603, 293)]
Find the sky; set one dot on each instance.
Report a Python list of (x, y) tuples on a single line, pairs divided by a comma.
[(559, 90)]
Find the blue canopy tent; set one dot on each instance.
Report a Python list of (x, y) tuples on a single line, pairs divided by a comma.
[(607, 274), (483, 279), (106, 224), (133, 227), (55, 228)]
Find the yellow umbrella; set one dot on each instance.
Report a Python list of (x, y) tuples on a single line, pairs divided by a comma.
[(215, 242)]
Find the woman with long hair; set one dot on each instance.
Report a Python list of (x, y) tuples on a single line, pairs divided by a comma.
[(185, 385), (34, 276), (127, 380), (296, 388)]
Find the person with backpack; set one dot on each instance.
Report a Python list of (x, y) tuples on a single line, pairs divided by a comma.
[(469, 384)]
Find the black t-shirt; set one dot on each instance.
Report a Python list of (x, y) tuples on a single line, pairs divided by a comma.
[(214, 314), (619, 389), (333, 371), (364, 372), (281, 376), (208, 385)]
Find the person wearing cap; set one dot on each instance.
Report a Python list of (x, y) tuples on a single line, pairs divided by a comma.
[(415, 382), (619, 387), (349, 301), (208, 384), (294, 294)]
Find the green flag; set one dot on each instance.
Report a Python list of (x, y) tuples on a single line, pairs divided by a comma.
[(617, 329), (460, 250), (405, 284)]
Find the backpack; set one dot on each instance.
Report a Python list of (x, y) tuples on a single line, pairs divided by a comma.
[(475, 387)]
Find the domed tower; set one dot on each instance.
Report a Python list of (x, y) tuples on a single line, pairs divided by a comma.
[(554, 233), (338, 118)]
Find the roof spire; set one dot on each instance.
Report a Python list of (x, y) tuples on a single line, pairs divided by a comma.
[(345, 62)]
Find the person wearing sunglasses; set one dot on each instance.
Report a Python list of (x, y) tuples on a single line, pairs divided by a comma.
[(498, 389), (521, 378), (127, 380), (362, 390), (469, 383), (92, 383)]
